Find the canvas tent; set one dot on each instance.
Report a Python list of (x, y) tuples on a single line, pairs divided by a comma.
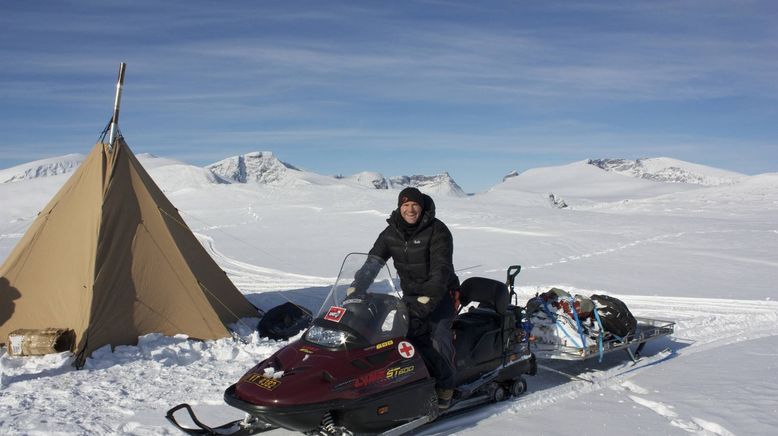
[(110, 258)]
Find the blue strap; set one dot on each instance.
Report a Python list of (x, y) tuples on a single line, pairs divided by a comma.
[(602, 332), (556, 321), (577, 322), (527, 326), (547, 310)]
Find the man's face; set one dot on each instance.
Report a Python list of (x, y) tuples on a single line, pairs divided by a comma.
[(411, 212)]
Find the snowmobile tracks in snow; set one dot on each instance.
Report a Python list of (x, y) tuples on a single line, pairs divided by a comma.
[(615, 249), (711, 323), (701, 324), (545, 390), (252, 278)]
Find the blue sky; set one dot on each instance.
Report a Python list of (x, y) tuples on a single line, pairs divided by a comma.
[(477, 89)]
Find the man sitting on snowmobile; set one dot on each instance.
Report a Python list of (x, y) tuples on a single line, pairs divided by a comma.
[(422, 249)]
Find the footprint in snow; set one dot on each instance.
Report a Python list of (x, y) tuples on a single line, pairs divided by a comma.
[(712, 427), (632, 387), (696, 425), (659, 408)]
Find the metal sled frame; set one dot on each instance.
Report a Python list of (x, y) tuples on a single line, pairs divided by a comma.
[(647, 330)]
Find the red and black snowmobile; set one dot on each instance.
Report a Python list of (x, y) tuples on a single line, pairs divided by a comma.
[(354, 372)]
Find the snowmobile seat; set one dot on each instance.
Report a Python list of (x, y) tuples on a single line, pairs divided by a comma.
[(479, 331), (490, 295)]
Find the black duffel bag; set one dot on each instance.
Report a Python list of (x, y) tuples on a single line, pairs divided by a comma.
[(284, 321), (615, 316)]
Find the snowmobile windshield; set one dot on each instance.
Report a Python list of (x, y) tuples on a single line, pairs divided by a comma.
[(363, 308)]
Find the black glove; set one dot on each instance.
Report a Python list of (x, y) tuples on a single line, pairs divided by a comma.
[(355, 291), (418, 327), (419, 307)]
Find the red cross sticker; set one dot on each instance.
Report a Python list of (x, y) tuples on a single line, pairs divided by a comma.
[(405, 349)]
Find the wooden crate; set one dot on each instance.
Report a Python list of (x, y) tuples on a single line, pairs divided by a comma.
[(36, 342)]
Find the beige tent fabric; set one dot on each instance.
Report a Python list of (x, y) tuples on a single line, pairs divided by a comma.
[(111, 258)]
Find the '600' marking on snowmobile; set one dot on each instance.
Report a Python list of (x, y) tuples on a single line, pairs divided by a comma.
[(384, 344)]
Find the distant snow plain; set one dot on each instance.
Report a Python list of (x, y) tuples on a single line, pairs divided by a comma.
[(705, 257)]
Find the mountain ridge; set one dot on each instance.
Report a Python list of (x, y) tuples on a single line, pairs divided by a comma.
[(264, 167), (52, 166), (668, 170)]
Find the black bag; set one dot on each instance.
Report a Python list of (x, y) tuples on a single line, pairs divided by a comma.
[(615, 316), (284, 321)]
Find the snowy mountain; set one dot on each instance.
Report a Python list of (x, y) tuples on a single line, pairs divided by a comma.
[(513, 173), (151, 161), (255, 167), (258, 166), (441, 184), (265, 168), (581, 183), (594, 182), (169, 174), (172, 175), (370, 179), (663, 169), (42, 168)]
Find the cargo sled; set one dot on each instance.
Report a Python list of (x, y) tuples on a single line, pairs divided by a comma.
[(647, 329), (580, 328)]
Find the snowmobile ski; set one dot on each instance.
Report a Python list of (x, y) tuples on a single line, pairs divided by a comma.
[(242, 427)]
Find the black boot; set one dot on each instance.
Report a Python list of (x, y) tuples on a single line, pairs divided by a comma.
[(444, 398)]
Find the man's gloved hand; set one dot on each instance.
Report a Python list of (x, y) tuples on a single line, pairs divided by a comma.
[(354, 291), (419, 306), (417, 327)]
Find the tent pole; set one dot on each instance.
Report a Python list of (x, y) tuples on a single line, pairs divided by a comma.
[(117, 103)]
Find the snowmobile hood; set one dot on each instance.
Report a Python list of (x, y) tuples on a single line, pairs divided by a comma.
[(304, 374)]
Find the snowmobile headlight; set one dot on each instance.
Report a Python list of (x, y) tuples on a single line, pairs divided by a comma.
[(326, 337)]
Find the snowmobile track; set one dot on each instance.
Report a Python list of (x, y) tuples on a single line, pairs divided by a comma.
[(702, 324), (585, 384)]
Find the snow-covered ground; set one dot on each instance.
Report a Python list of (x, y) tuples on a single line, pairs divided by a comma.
[(703, 256)]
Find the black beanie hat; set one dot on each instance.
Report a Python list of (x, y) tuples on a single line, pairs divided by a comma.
[(410, 194)]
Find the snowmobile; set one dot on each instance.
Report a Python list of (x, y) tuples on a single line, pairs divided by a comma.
[(355, 372)]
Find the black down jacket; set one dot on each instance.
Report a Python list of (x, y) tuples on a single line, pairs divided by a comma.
[(423, 260)]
